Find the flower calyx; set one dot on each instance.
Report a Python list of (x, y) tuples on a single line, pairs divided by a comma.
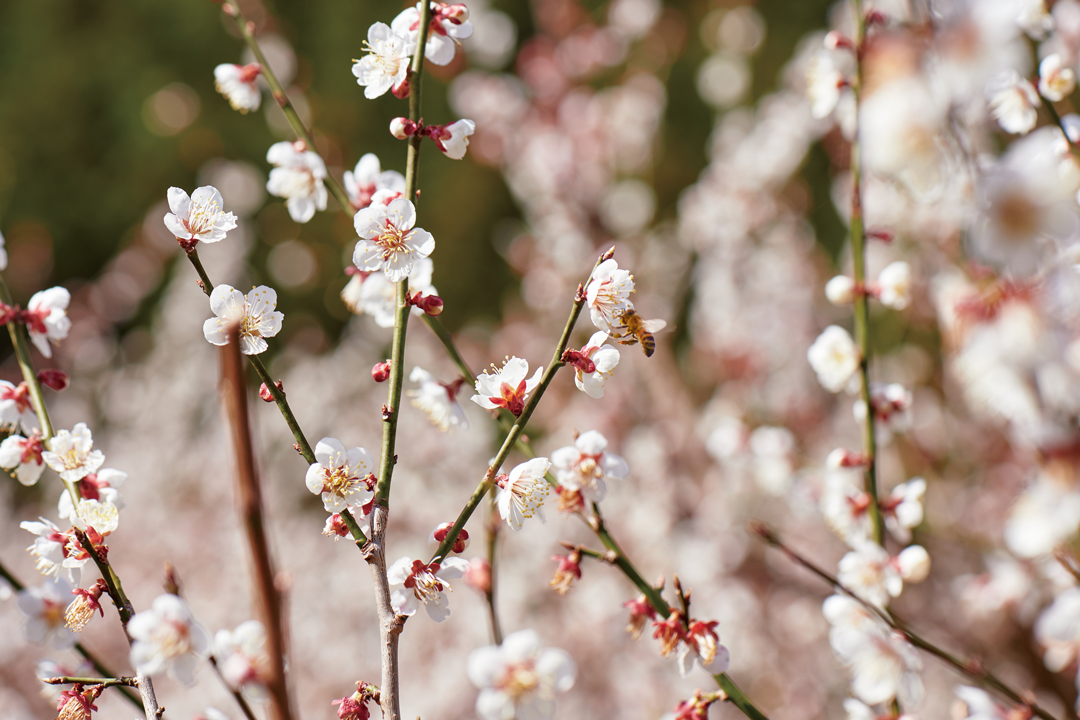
[(266, 395), (431, 304), (579, 360), (82, 608), (569, 569)]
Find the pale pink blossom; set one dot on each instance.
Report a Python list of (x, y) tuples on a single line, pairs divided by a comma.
[(46, 318), (167, 638), (824, 81), (416, 583), (521, 494), (1056, 80), (834, 357), (72, 454), (438, 400), (243, 659), (24, 456), (604, 358), (255, 313), (55, 551), (608, 295), (449, 26), (585, 466), (101, 486), (519, 678), (368, 178), (298, 177), (44, 608), (453, 139), (507, 387), (1013, 103), (238, 84), (388, 240), (16, 411), (875, 576), (198, 218), (340, 476), (894, 285), (386, 66), (376, 296), (701, 644)]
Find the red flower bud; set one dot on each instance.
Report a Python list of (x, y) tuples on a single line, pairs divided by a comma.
[(56, 379), (381, 371), (264, 392)]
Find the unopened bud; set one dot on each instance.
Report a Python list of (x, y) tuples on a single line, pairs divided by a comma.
[(478, 576), (841, 458), (266, 395), (431, 305), (840, 290), (402, 128), (381, 371), (335, 527), (913, 563), (836, 40), (56, 379), (400, 91), (885, 236), (461, 542)]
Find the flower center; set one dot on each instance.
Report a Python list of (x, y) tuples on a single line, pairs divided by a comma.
[(340, 481), (201, 217), (171, 638), (393, 241), (520, 680), (528, 495)]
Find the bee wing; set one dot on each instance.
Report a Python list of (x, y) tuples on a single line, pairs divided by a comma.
[(653, 326)]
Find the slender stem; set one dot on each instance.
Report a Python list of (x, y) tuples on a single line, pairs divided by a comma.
[(112, 580), (247, 31), (1057, 120), (862, 300), (492, 533), (515, 432), (619, 559), (268, 599), (969, 667), (101, 682), (237, 695), (260, 369)]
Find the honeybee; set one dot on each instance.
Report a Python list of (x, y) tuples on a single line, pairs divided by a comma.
[(632, 330)]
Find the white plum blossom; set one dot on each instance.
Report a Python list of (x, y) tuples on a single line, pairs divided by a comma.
[(438, 400), (298, 177), (16, 411), (521, 494), (167, 638), (102, 515), (884, 664), (198, 218), (1033, 18), (44, 608), (72, 453), (454, 138), (386, 65), (3, 253), (1058, 630), (980, 705), (388, 240), (845, 506), (1013, 102), (519, 678), (340, 475), (376, 296), (416, 583), (24, 456), (894, 285), (368, 178), (823, 83), (101, 485), (872, 574), (1056, 80), (507, 387), (903, 509), (702, 645), (255, 313), (46, 318), (834, 357), (892, 410), (604, 357), (55, 551), (238, 84), (840, 290), (449, 26), (1047, 513), (584, 466), (608, 295), (243, 660)]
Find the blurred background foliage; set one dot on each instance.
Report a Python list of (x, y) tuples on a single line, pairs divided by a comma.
[(107, 105)]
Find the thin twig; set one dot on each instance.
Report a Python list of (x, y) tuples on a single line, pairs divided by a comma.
[(491, 532), (249, 494), (241, 701), (100, 682), (970, 667)]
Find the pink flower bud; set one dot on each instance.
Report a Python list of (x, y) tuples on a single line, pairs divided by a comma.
[(431, 305), (478, 576), (401, 90), (841, 458), (381, 371), (264, 392), (335, 527), (885, 236), (402, 128), (56, 379)]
